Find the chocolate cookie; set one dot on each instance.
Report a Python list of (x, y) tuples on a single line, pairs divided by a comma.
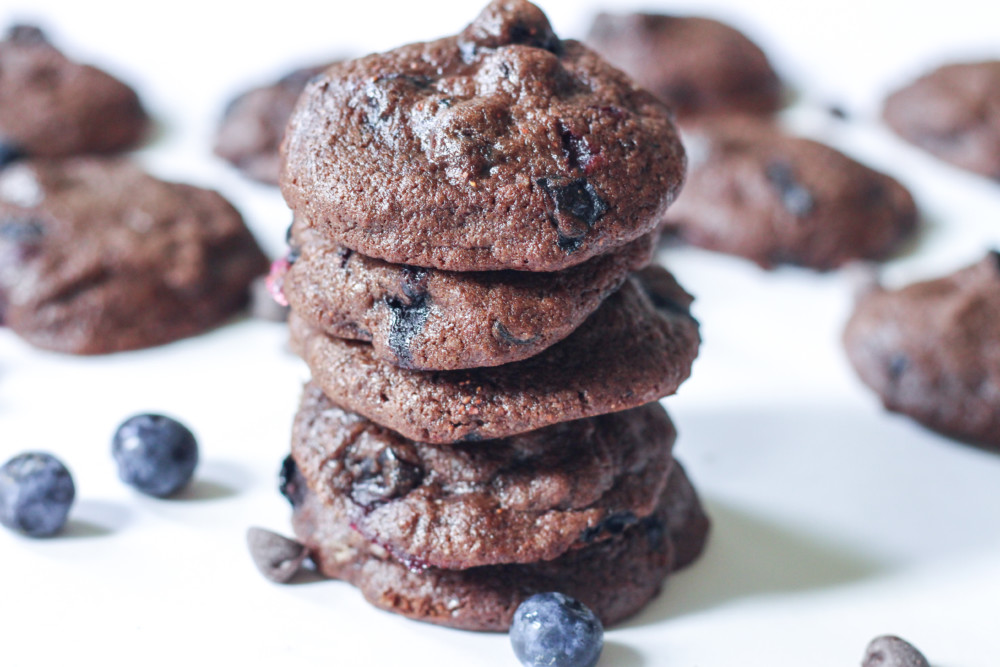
[(254, 123), (930, 351), (696, 65), (443, 320), (500, 148), (51, 106), (637, 347), (615, 578), (98, 257), (773, 198), (522, 499), (953, 113)]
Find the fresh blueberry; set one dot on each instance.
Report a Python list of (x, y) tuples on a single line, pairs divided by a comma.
[(155, 454), (555, 630), (36, 492)]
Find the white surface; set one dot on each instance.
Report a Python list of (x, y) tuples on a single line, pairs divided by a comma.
[(834, 521)]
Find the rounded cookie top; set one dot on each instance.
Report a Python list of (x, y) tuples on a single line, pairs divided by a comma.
[(953, 113), (254, 123), (521, 499), (500, 148), (54, 107), (615, 578), (98, 256), (697, 65), (637, 347), (443, 320), (757, 192), (930, 351)]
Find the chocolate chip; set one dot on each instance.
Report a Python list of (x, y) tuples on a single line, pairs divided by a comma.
[(891, 651), (277, 557), (382, 478), (578, 199), (795, 197), (613, 524), (290, 482), (408, 315), (9, 152), (663, 302)]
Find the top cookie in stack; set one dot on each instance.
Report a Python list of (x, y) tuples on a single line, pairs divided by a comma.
[(470, 215)]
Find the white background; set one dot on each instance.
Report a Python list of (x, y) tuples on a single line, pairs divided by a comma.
[(833, 521)]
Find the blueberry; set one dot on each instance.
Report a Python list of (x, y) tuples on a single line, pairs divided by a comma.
[(555, 630), (890, 651), (36, 492), (155, 454)]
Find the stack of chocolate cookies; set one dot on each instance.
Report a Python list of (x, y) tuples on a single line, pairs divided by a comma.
[(466, 282)]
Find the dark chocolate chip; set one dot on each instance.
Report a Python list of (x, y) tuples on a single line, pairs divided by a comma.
[(290, 482), (891, 651), (576, 197), (613, 524), (277, 557), (795, 197), (408, 314), (9, 152), (663, 302), (383, 478), (531, 36)]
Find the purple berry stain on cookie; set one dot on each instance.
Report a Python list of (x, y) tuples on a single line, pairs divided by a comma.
[(891, 651), (898, 363), (408, 313), (381, 478), (290, 482), (23, 234), (656, 532), (575, 148), (795, 197), (555, 630)]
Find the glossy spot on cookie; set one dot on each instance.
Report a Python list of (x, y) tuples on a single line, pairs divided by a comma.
[(795, 197), (382, 478)]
